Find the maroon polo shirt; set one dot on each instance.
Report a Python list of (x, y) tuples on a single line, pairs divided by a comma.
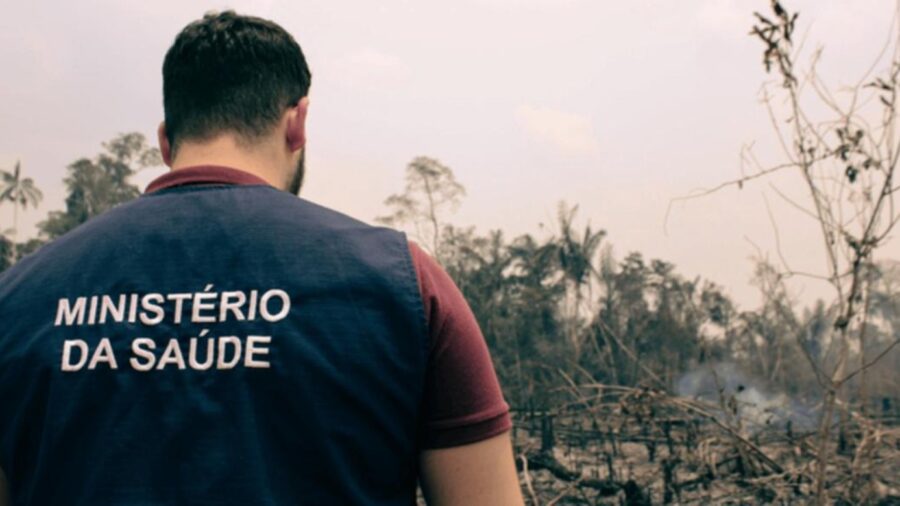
[(462, 401)]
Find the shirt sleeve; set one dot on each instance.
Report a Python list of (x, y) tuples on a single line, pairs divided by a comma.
[(463, 402)]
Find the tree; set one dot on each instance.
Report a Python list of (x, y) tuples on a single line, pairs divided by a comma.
[(576, 254), (19, 191), (884, 302), (843, 147), (7, 252), (534, 292), (97, 185), (766, 339), (848, 166), (650, 321), (431, 188)]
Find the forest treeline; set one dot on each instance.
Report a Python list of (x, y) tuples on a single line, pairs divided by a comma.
[(561, 309), (557, 308)]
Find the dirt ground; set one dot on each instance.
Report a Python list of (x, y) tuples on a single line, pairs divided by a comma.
[(618, 458)]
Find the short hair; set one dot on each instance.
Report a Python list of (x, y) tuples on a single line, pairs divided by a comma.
[(230, 73)]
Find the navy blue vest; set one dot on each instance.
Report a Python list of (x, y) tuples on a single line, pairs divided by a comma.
[(213, 344)]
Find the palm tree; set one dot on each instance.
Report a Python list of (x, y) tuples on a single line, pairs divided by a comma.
[(19, 191), (576, 257)]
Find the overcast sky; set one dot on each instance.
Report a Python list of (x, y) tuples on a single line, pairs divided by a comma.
[(616, 106)]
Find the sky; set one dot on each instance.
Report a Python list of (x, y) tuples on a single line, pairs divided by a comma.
[(618, 107)]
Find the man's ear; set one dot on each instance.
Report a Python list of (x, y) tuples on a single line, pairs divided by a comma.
[(295, 133), (164, 148)]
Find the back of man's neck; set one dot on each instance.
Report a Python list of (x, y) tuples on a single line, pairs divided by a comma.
[(224, 151)]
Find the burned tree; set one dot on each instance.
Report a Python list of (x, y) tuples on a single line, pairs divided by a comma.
[(431, 189), (847, 162)]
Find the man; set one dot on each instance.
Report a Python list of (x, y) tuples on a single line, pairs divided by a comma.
[(221, 341)]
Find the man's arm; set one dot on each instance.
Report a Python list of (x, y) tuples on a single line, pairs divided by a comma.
[(482, 473), (4, 490), (467, 456)]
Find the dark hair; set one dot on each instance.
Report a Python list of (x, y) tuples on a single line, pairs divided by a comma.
[(230, 73)]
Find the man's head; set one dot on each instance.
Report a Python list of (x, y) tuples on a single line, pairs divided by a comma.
[(240, 81)]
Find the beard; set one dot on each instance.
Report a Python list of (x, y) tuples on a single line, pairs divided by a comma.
[(299, 171)]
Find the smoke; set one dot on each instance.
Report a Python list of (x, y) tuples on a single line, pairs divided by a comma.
[(756, 406)]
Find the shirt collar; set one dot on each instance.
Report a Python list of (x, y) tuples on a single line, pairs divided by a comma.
[(204, 174)]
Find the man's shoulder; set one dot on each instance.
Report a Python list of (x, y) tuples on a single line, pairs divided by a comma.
[(258, 213), (256, 201), (61, 254)]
